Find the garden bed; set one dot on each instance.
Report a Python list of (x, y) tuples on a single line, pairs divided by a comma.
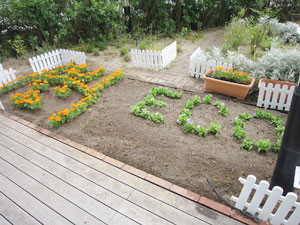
[(163, 149)]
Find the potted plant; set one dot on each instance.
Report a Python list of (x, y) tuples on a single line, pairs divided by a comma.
[(228, 82)]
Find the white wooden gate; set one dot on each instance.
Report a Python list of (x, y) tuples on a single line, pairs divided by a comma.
[(275, 96), (264, 202), (52, 59), (154, 59), (199, 65)]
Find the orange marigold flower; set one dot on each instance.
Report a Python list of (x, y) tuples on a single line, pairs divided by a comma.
[(50, 118), (58, 118), (44, 70), (72, 109)]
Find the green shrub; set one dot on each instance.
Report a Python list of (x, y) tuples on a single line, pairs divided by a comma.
[(145, 44), (124, 50), (126, 58), (101, 45), (95, 51)]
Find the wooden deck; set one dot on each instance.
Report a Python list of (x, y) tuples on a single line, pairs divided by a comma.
[(43, 181)]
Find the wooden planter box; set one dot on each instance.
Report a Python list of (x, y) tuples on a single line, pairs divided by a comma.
[(275, 94), (239, 91)]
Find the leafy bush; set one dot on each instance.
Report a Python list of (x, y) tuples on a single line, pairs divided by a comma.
[(124, 50), (276, 64), (287, 32)]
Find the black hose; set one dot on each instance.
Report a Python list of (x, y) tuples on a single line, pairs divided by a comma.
[(248, 215)]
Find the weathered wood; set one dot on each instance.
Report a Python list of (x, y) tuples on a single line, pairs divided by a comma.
[(15, 214), (96, 192), (97, 173), (53, 192), (36, 208)]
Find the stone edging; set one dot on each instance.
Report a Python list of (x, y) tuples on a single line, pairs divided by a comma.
[(139, 173)]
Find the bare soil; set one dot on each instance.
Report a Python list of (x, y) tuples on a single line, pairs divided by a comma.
[(163, 149)]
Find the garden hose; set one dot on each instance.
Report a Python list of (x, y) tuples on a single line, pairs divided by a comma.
[(248, 215)]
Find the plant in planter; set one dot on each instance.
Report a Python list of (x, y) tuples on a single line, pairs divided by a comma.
[(226, 81)]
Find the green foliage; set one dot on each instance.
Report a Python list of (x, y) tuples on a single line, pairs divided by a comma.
[(202, 131), (190, 126), (245, 116), (140, 108), (247, 144), (18, 45), (95, 51), (52, 22), (231, 76), (214, 128), (207, 99), (126, 58), (124, 50), (239, 132), (191, 103), (263, 145)]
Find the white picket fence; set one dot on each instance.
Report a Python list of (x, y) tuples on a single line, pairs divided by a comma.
[(52, 59), (154, 59), (199, 65), (287, 206), (275, 96), (6, 75)]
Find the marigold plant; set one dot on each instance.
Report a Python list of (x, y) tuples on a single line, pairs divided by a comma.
[(228, 74)]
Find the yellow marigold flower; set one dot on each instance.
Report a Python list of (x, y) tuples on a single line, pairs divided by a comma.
[(44, 70), (73, 105), (46, 82), (58, 118), (37, 91), (50, 118), (29, 85), (34, 84), (17, 102), (72, 109)]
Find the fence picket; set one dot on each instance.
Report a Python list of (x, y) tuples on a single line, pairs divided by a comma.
[(199, 65), (271, 202), (6, 75), (284, 208), (246, 191), (277, 96), (258, 196), (283, 215), (154, 59), (1, 106), (55, 58)]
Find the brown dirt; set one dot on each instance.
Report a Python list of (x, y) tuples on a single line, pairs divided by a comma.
[(163, 149)]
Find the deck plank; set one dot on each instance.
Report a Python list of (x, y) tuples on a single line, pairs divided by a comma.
[(14, 213), (164, 210), (137, 213), (36, 208), (109, 173), (3, 221), (64, 198)]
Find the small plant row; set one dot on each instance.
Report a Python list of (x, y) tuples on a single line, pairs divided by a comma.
[(262, 144), (140, 108), (185, 117)]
